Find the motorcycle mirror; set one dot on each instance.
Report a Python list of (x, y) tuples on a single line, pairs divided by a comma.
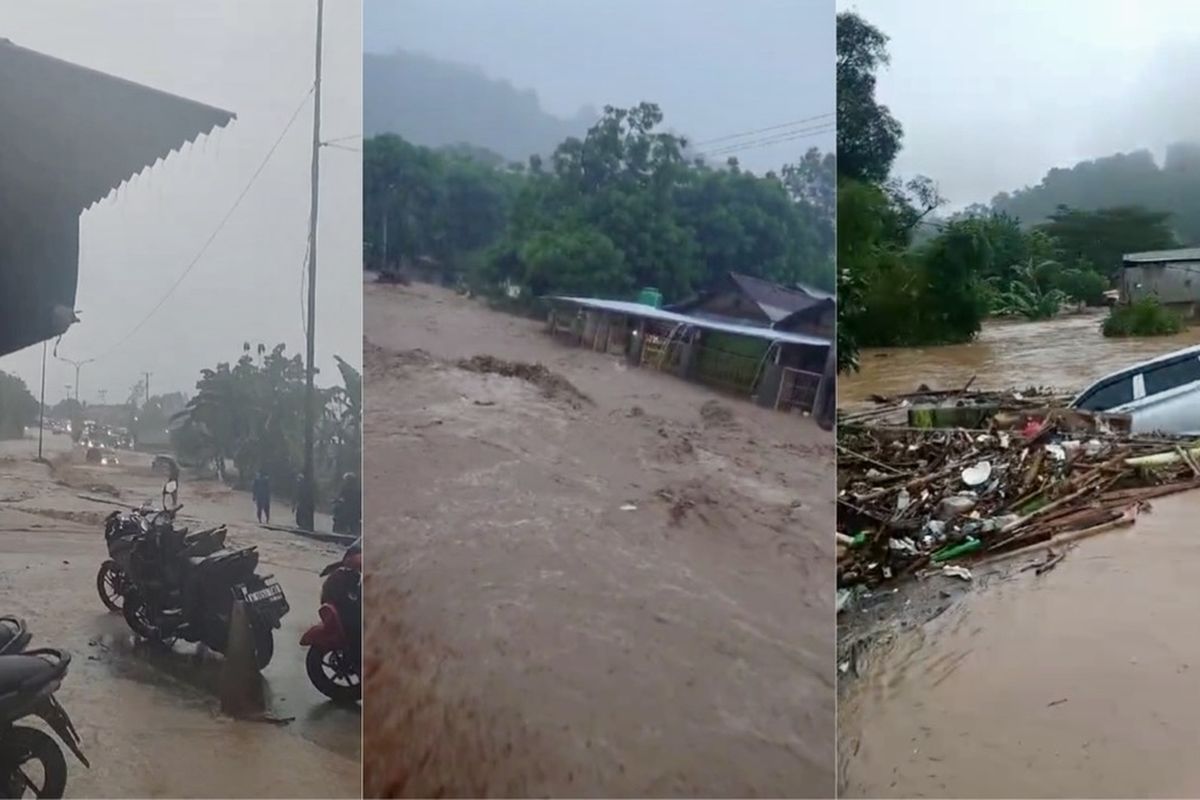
[(170, 487)]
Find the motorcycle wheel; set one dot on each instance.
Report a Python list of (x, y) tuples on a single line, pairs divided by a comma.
[(23, 748), (110, 583), (264, 645), (333, 678), (137, 616)]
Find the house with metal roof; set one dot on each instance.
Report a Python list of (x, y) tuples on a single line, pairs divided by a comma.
[(745, 336), (1171, 276), (761, 302), (70, 136)]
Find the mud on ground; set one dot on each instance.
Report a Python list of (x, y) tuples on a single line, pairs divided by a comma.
[(585, 579)]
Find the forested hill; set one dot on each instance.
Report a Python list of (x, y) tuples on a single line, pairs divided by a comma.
[(434, 103), (1124, 179)]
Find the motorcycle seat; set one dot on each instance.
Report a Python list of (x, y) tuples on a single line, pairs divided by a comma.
[(23, 672)]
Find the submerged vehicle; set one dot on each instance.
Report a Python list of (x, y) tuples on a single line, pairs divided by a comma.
[(334, 660), (30, 760), (1161, 395), (176, 585)]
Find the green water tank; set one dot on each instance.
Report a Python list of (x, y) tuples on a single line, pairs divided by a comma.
[(650, 297)]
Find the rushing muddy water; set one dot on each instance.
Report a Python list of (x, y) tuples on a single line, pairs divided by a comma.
[(1083, 682), (1066, 353)]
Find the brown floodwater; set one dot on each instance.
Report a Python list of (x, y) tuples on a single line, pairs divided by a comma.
[(1064, 353), (1082, 682)]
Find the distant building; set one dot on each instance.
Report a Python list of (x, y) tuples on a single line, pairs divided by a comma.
[(1172, 276), (70, 135), (747, 299)]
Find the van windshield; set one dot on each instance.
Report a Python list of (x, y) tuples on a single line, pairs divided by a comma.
[(1109, 394)]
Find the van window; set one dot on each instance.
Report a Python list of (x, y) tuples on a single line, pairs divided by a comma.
[(1108, 395), (1168, 376)]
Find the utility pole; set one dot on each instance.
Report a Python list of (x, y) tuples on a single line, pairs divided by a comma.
[(42, 409), (387, 204), (147, 376), (305, 508), (77, 365)]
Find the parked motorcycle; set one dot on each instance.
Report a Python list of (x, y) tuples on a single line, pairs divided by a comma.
[(122, 531), (181, 586), (30, 759), (334, 660)]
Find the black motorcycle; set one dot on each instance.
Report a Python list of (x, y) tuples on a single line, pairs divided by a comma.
[(123, 530), (179, 587), (31, 762)]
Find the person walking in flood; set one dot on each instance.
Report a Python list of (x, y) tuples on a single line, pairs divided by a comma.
[(261, 490)]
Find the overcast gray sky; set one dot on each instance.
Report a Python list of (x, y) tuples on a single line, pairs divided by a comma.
[(993, 94), (716, 67), (255, 59)]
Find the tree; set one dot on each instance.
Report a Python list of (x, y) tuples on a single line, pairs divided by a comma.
[(868, 136), (1102, 237), (18, 407)]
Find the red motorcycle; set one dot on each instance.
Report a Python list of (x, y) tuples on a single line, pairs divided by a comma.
[(334, 661)]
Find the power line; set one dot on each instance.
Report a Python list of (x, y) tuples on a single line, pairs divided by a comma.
[(220, 226), (341, 147), (757, 131), (770, 140), (342, 138)]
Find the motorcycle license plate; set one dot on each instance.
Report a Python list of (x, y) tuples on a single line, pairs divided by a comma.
[(270, 593)]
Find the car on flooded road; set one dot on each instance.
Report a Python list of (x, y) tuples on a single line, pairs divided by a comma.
[(1159, 395)]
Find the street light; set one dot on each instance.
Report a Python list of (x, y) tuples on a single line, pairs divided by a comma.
[(77, 365)]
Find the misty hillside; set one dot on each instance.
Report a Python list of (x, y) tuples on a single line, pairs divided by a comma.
[(1122, 179), (433, 103)]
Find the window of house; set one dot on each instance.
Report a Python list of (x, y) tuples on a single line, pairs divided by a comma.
[(1108, 395), (1168, 376)]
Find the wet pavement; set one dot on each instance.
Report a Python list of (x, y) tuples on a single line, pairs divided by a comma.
[(1064, 353), (150, 716)]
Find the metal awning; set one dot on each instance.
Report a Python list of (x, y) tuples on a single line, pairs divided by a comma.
[(69, 136), (704, 323)]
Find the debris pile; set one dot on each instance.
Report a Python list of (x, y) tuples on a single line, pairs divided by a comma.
[(914, 500)]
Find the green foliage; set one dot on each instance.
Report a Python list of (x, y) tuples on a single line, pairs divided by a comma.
[(1146, 317), (868, 136), (1102, 237), (439, 205), (1082, 284), (18, 407), (253, 414), (618, 209), (1029, 293)]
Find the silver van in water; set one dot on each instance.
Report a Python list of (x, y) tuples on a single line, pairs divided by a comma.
[(1162, 394)]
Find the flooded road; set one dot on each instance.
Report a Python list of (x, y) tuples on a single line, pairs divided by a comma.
[(624, 596), (150, 716), (1065, 353), (1083, 682)]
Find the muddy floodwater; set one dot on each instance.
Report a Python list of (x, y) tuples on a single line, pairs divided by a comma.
[(1083, 682), (1064, 353)]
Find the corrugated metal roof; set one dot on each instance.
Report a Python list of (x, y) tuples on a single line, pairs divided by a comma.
[(77, 132), (1151, 256), (650, 312), (69, 135)]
